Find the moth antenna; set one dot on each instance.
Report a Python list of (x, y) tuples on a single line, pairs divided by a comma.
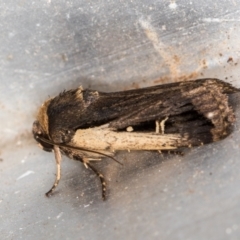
[(88, 150), (78, 148), (58, 158)]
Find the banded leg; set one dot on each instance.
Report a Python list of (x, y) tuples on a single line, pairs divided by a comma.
[(175, 152), (101, 179)]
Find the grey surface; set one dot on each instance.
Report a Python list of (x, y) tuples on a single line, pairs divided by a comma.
[(46, 47)]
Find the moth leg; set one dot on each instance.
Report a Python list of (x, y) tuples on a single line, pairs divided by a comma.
[(157, 123), (175, 152), (160, 125), (58, 158), (102, 179), (86, 160)]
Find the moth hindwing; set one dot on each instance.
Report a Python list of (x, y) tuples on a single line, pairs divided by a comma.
[(87, 125)]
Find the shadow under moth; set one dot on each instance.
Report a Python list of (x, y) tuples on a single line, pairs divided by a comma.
[(86, 125)]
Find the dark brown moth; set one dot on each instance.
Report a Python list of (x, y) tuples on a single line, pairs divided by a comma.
[(87, 125)]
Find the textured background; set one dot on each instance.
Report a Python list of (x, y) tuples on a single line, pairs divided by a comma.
[(49, 46)]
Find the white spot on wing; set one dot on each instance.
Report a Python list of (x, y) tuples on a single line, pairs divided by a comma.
[(129, 129), (210, 115)]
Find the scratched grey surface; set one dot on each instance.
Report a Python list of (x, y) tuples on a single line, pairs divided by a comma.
[(48, 46)]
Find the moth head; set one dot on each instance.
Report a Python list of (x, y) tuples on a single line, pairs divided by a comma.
[(39, 134), (40, 128)]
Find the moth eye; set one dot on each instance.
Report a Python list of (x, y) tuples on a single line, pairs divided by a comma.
[(39, 132)]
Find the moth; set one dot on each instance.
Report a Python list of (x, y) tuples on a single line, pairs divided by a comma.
[(86, 125)]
